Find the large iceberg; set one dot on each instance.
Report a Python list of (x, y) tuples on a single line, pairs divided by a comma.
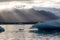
[(48, 25)]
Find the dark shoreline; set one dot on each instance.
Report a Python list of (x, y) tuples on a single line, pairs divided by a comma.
[(18, 22)]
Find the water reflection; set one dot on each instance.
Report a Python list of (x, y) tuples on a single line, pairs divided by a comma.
[(46, 32)]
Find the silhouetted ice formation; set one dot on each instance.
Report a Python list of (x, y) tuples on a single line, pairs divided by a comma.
[(47, 27), (1, 29), (52, 24)]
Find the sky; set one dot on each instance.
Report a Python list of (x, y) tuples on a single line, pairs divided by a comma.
[(39, 3), (29, 3)]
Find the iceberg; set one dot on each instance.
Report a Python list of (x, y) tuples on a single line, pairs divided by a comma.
[(48, 25)]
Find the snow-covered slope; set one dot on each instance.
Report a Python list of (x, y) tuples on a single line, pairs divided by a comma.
[(56, 11)]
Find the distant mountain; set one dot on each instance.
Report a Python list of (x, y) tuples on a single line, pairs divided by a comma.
[(48, 14), (26, 15), (39, 14)]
